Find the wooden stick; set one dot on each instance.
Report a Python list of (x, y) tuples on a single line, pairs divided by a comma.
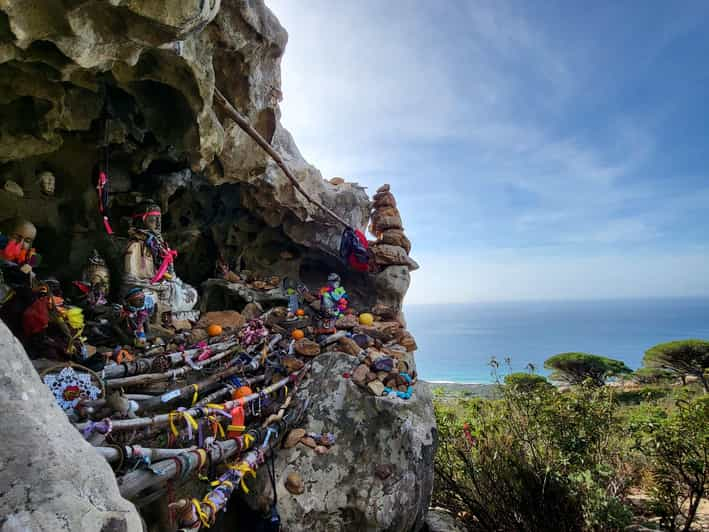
[(149, 378), (215, 397), (190, 391), (243, 123), (116, 371), (131, 484), (120, 425), (111, 454)]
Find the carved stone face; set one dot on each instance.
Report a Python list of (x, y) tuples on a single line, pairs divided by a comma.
[(23, 233), (47, 183)]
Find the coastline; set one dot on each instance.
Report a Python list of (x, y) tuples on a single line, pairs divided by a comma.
[(458, 390)]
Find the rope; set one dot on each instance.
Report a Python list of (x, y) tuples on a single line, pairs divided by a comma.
[(243, 123)]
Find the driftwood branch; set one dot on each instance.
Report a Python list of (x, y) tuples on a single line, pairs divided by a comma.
[(244, 124), (149, 378), (143, 365), (196, 412)]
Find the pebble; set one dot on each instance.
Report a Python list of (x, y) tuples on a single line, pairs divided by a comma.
[(349, 346), (307, 348), (371, 376), (376, 388), (295, 484), (294, 436), (321, 449), (308, 442), (292, 364), (360, 375)]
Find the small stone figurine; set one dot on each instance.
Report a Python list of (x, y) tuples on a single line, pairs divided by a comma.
[(47, 184), (96, 281), (138, 308)]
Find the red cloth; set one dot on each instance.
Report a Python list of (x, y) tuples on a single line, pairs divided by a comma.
[(354, 263), (36, 318)]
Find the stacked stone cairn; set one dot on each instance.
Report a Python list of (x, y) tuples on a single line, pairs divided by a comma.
[(392, 247)]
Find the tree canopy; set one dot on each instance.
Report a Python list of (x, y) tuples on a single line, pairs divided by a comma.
[(684, 357), (575, 368), (526, 381)]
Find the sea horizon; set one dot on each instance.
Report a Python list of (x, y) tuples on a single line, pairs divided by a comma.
[(457, 340)]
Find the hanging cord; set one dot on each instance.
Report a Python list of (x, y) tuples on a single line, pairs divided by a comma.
[(275, 519), (243, 123)]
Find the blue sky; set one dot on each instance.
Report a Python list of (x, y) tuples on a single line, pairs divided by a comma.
[(537, 150)]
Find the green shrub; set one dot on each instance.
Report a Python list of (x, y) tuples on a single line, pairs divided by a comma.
[(678, 447), (533, 461), (577, 368), (526, 382), (639, 395), (651, 375)]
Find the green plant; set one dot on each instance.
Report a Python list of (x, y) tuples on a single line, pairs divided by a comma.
[(534, 460), (639, 395), (526, 382), (651, 375), (678, 447), (576, 368), (684, 357)]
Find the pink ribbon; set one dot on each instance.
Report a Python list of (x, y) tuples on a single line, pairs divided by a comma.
[(167, 259), (206, 352)]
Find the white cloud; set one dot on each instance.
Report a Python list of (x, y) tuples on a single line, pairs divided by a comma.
[(451, 103), (515, 277)]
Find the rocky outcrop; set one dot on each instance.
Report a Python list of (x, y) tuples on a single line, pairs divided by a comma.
[(132, 83), (51, 479), (377, 476), (128, 86)]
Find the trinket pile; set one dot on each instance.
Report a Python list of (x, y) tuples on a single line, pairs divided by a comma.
[(168, 396)]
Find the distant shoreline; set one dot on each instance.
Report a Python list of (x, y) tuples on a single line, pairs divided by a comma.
[(463, 389)]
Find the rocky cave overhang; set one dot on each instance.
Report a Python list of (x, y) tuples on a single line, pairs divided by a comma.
[(128, 86)]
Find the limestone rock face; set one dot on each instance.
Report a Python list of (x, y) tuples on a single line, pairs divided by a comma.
[(51, 478), (140, 76), (343, 488)]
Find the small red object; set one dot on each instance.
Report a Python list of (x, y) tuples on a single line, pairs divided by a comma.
[(346, 375)]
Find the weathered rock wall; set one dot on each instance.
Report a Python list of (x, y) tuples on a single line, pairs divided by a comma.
[(50, 478), (128, 85)]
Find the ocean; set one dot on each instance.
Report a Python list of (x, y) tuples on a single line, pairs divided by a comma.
[(457, 341)]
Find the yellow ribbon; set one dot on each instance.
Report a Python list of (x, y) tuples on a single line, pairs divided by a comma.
[(244, 469), (234, 428), (212, 506), (214, 405), (203, 517), (195, 395), (248, 440), (172, 416)]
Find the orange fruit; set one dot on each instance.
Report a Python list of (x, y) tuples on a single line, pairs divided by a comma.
[(300, 312), (243, 391), (214, 330), (298, 334)]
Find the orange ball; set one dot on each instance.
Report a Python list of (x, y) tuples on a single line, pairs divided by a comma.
[(298, 334), (300, 312), (214, 330), (243, 391)]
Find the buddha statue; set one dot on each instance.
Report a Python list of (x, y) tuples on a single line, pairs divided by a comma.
[(96, 280), (149, 264), (16, 251)]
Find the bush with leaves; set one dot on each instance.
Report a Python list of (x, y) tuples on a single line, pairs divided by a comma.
[(651, 376), (684, 357), (577, 368), (526, 382), (533, 461), (677, 446)]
